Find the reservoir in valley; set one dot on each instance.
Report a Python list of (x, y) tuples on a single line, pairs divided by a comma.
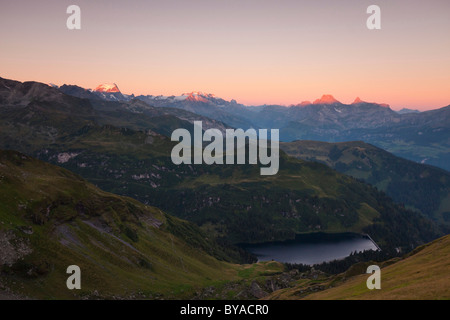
[(312, 248)]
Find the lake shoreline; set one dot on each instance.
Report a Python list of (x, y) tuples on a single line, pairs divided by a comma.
[(312, 248)]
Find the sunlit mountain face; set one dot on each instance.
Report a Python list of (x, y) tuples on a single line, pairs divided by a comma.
[(107, 87), (326, 99)]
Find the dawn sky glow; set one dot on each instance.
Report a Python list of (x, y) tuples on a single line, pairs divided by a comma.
[(257, 52)]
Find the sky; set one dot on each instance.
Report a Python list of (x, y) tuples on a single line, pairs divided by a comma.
[(257, 52)]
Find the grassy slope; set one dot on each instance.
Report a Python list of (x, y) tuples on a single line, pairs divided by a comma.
[(123, 247), (423, 274)]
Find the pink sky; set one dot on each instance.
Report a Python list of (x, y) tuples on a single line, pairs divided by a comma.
[(257, 52)]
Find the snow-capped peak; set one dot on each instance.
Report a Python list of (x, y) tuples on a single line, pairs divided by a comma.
[(198, 96), (107, 87)]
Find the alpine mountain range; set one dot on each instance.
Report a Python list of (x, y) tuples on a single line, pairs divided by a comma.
[(418, 136)]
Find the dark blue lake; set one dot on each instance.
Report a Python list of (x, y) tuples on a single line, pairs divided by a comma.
[(312, 248)]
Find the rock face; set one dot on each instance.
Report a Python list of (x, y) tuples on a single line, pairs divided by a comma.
[(256, 290), (109, 92), (12, 249)]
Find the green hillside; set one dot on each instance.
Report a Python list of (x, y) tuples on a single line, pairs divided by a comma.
[(51, 218), (418, 186)]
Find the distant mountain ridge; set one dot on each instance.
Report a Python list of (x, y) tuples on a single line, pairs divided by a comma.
[(406, 110), (194, 96), (419, 136), (422, 137)]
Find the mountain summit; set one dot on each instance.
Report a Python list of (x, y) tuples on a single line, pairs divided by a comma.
[(326, 99), (198, 96), (108, 87), (357, 100), (111, 92)]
